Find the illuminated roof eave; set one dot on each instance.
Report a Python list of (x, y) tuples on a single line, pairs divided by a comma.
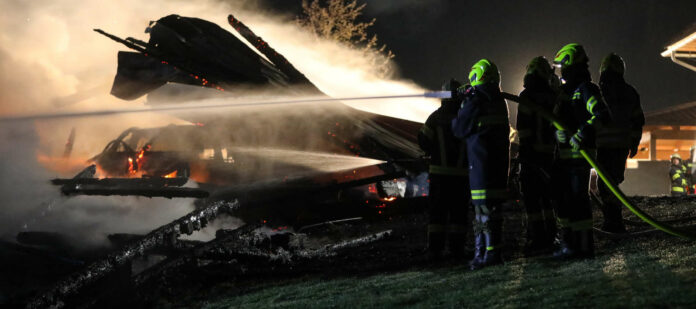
[(675, 48)]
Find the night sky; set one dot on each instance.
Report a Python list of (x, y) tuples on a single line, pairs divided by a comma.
[(437, 39)]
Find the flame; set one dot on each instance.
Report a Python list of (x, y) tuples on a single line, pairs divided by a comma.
[(389, 199), (131, 167), (170, 175), (134, 164)]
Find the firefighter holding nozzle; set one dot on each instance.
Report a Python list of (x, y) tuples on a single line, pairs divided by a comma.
[(482, 123), (449, 183)]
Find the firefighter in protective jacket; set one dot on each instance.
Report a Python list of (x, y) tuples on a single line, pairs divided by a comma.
[(678, 176), (482, 122), (536, 138), (448, 177), (583, 110), (619, 137)]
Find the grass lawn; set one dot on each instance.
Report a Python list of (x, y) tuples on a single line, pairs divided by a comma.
[(657, 271)]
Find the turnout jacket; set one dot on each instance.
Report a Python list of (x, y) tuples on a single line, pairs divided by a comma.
[(585, 112), (536, 134), (624, 127), (482, 122), (447, 153), (679, 177)]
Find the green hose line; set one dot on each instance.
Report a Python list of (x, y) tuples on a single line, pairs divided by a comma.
[(614, 189)]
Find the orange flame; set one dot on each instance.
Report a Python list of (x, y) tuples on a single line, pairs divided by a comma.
[(170, 175)]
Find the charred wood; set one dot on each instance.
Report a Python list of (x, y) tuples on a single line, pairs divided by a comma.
[(162, 236)]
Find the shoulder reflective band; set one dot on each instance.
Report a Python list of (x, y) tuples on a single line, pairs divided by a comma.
[(483, 194), (591, 102), (677, 189), (493, 120), (449, 171)]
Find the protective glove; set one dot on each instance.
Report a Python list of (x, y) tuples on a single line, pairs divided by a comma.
[(561, 136), (576, 141)]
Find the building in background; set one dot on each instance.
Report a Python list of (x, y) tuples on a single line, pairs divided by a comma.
[(666, 131)]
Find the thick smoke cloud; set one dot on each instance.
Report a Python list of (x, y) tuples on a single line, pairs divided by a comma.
[(52, 61)]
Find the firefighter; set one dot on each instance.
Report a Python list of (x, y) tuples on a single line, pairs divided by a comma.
[(677, 175), (619, 137), (582, 109), (691, 170), (482, 122), (536, 140), (448, 178)]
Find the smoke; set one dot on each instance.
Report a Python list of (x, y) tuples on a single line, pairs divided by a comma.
[(52, 61)]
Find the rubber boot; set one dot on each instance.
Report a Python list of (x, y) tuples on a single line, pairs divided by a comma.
[(565, 240), (494, 244), (456, 243), (436, 241), (585, 244), (538, 242), (492, 255), (613, 220), (479, 250), (550, 228)]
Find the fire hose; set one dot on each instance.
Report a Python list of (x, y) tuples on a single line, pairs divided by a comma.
[(433, 94), (662, 226)]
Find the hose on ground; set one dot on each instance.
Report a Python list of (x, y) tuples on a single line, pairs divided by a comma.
[(600, 172)]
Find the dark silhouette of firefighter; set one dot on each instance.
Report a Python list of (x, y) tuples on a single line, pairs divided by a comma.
[(482, 122), (582, 110), (449, 182), (536, 140), (619, 137), (678, 175)]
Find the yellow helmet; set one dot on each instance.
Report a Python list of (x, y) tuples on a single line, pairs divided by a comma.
[(484, 71), (569, 55)]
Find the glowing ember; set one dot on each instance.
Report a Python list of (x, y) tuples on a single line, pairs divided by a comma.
[(134, 167), (389, 199), (170, 175)]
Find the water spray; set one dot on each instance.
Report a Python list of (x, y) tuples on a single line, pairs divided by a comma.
[(197, 107), (431, 94)]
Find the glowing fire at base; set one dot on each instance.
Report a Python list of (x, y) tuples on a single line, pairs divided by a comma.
[(170, 175)]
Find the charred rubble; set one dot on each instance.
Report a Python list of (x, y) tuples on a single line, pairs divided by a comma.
[(297, 219), (230, 164)]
